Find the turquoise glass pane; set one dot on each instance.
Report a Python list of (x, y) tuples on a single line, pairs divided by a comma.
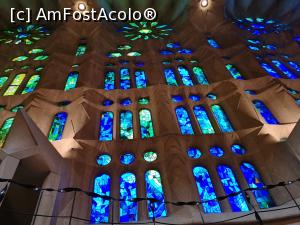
[(81, 50), (126, 125), (103, 160), (194, 153), (146, 125), (17, 108), (265, 112), (170, 77), (216, 151), (5, 130), (125, 79), (150, 156), (58, 126), (200, 75), (230, 186), (106, 126), (269, 70), (254, 180), (100, 206), (127, 159), (154, 190), (203, 120), (222, 119), (72, 80), (185, 76), (3, 81), (213, 43), (109, 80), (128, 209), (234, 72), (284, 69), (32, 84), (184, 121), (206, 190), (140, 79), (238, 149)]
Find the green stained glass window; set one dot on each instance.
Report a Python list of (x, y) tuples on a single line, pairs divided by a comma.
[(17, 108), (5, 130), (114, 55), (25, 67), (40, 68), (126, 125), (58, 126), (3, 81), (150, 156), (12, 89), (32, 84), (144, 101), (36, 51), (41, 58), (20, 58), (134, 54), (124, 47), (147, 130), (81, 50), (72, 80)]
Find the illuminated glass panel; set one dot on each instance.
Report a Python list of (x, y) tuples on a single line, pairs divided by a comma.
[(154, 190), (12, 89), (128, 209), (177, 98), (109, 80), (173, 45), (147, 130), (185, 51), (269, 70), (216, 151), (238, 149), (230, 186), (31, 84), (195, 98), (127, 159), (106, 126), (16, 108), (126, 102), (100, 206), (222, 119), (211, 96), (103, 160), (250, 92), (254, 180), (213, 43), (72, 80), (41, 58), (126, 125), (203, 120), (125, 79), (140, 79), (144, 101), (81, 50), (170, 77), (150, 156), (200, 75), (265, 112), (58, 126), (194, 153), (184, 121), (107, 102), (3, 81), (185, 76), (295, 66), (20, 58), (234, 72), (284, 69), (4, 131), (206, 190)]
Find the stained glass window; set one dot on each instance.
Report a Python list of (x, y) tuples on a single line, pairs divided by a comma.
[(126, 102), (140, 79), (185, 76), (211, 96), (170, 77), (216, 151), (143, 101), (222, 119), (269, 70), (194, 153), (109, 80), (284, 69), (13, 87), (206, 190), (254, 181), (294, 65), (5, 130), (203, 120), (154, 190), (3, 81), (231, 186), (125, 79), (166, 52), (107, 102), (147, 130), (265, 112), (128, 209), (106, 126), (126, 125), (150, 156), (234, 72), (200, 75), (72, 80), (16, 108), (114, 55), (213, 43), (195, 98), (238, 149), (20, 58), (81, 50), (184, 121), (185, 51), (31, 84), (100, 206), (41, 58), (292, 91), (58, 126), (177, 98), (127, 158), (103, 160), (173, 45), (134, 54), (250, 92)]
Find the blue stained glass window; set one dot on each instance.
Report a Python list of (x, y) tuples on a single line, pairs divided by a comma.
[(124, 62), (128, 209), (213, 43), (166, 52), (216, 151), (203, 120), (292, 91), (253, 48), (200, 75), (173, 45), (270, 47), (265, 112), (170, 77), (103, 160), (127, 159), (100, 206), (177, 98), (154, 190), (72, 80), (194, 153), (284, 69), (147, 130), (254, 41), (139, 64), (250, 92), (230, 186), (106, 126), (109, 80), (185, 51), (126, 125), (125, 79), (234, 72), (185, 76), (211, 96), (298, 102), (222, 119), (184, 121), (254, 181), (238, 149), (126, 102), (195, 98), (107, 102), (295, 66), (269, 70), (140, 79), (206, 190), (58, 126)]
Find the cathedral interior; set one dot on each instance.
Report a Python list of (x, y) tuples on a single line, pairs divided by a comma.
[(191, 118)]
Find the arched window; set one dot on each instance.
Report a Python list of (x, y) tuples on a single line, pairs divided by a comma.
[(234, 72), (100, 206), (5, 130), (254, 181), (106, 126), (125, 79), (222, 119), (206, 190), (81, 50), (31, 84), (15, 84), (128, 209), (185, 76), (170, 77), (230, 186), (126, 125), (3, 81), (140, 79), (154, 190), (72, 80), (184, 121), (200, 75), (109, 80), (269, 70), (265, 112), (203, 120), (284, 69), (58, 126), (146, 124)]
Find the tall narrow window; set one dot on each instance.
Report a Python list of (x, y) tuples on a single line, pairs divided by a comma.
[(234, 72), (125, 79), (284, 69), (203, 120), (154, 190), (3, 81), (185, 76), (126, 125), (106, 126), (206, 190), (31, 84), (222, 119), (109, 80), (269, 70), (200, 75), (230, 185), (170, 77), (100, 206), (294, 65), (15, 84), (213, 43), (265, 112), (128, 209), (81, 50), (184, 121), (254, 180), (147, 130), (72, 80), (140, 79), (58, 126), (5, 130)]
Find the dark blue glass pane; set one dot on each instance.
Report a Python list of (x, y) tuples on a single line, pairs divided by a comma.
[(234, 72), (295, 66), (126, 125), (216, 151), (250, 92), (166, 52), (253, 48), (194, 153), (173, 45), (269, 70), (213, 43), (284, 69), (109, 80), (58, 126), (222, 119), (195, 98), (139, 64), (124, 62), (106, 126), (185, 76), (170, 77), (127, 159), (200, 75), (103, 160), (265, 112), (184, 121), (203, 120), (140, 79), (107, 102), (125, 79), (238, 149), (126, 102), (177, 98), (185, 51)]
